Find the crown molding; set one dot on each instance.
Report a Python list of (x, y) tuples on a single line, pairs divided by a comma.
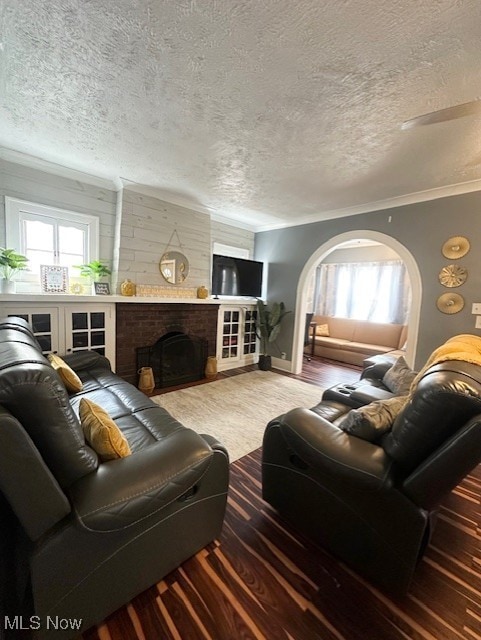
[(119, 183), (378, 205), (34, 162), (233, 222)]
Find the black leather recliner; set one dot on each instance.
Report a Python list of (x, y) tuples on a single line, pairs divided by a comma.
[(374, 505), (81, 537), (369, 388)]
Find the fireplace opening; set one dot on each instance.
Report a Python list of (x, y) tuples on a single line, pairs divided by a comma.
[(176, 358)]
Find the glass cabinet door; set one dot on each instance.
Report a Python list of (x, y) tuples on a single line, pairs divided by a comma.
[(250, 337), (44, 323), (237, 343), (89, 329), (65, 328), (231, 329)]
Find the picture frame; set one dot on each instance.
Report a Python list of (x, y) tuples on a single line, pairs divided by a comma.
[(102, 288), (53, 278)]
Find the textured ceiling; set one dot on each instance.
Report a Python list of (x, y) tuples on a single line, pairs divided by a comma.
[(268, 112)]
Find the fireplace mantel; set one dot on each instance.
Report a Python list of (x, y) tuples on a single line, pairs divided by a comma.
[(61, 297), (132, 322)]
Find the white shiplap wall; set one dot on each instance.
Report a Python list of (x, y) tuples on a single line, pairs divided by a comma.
[(134, 228), (233, 236), (33, 185), (146, 227)]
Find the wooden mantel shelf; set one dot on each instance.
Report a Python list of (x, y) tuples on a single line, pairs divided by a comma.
[(50, 298)]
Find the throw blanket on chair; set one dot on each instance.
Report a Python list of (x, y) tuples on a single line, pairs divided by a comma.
[(464, 347)]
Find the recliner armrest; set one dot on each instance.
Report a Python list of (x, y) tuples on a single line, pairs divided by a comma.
[(121, 492), (215, 444), (329, 450), (37, 499), (429, 483), (376, 371)]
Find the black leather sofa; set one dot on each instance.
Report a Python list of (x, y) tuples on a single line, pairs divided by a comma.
[(374, 505), (81, 537), (368, 388)]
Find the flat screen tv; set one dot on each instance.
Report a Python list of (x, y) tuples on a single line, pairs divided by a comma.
[(236, 277)]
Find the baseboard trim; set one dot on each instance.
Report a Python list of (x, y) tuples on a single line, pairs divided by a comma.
[(283, 365)]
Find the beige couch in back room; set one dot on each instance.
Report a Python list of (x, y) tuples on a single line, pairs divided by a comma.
[(352, 341)]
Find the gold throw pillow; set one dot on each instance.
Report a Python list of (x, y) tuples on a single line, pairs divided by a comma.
[(101, 432), (322, 330), (72, 382)]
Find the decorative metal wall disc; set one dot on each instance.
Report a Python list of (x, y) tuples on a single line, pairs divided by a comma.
[(453, 275), (450, 303), (455, 247)]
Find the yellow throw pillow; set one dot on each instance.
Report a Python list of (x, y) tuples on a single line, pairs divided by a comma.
[(70, 379), (101, 432), (322, 330)]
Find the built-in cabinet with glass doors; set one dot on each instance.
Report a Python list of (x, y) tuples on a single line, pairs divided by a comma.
[(236, 336), (66, 328)]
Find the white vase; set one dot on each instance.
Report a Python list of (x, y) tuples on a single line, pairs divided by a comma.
[(7, 286)]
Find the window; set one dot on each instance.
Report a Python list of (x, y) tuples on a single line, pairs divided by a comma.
[(47, 235), (372, 291)]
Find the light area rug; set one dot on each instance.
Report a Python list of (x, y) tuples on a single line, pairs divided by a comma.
[(236, 410)]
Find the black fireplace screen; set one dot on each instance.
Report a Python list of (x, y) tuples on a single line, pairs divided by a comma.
[(175, 358)]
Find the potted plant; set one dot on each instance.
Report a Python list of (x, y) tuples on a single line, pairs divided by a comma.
[(94, 270), (10, 263), (268, 325)]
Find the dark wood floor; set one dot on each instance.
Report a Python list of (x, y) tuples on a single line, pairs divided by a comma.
[(326, 373), (262, 580)]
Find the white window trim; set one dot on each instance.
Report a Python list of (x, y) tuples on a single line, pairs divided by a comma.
[(14, 207)]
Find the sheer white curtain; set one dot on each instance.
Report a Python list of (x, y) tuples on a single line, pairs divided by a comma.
[(373, 291)]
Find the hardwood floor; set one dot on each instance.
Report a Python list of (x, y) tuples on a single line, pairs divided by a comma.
[(326, 373), (262, 580)]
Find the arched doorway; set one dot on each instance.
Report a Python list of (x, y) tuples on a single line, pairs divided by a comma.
[(320, 253)]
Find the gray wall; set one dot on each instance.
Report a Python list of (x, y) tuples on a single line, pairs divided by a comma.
[(422, 228)]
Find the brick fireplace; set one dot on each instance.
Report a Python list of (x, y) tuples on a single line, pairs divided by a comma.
[(142, 324)]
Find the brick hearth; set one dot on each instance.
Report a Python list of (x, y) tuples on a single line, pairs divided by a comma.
[(141, 325)]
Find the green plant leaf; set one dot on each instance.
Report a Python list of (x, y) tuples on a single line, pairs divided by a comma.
[(11, 262), (268, 324), (94, 269)]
